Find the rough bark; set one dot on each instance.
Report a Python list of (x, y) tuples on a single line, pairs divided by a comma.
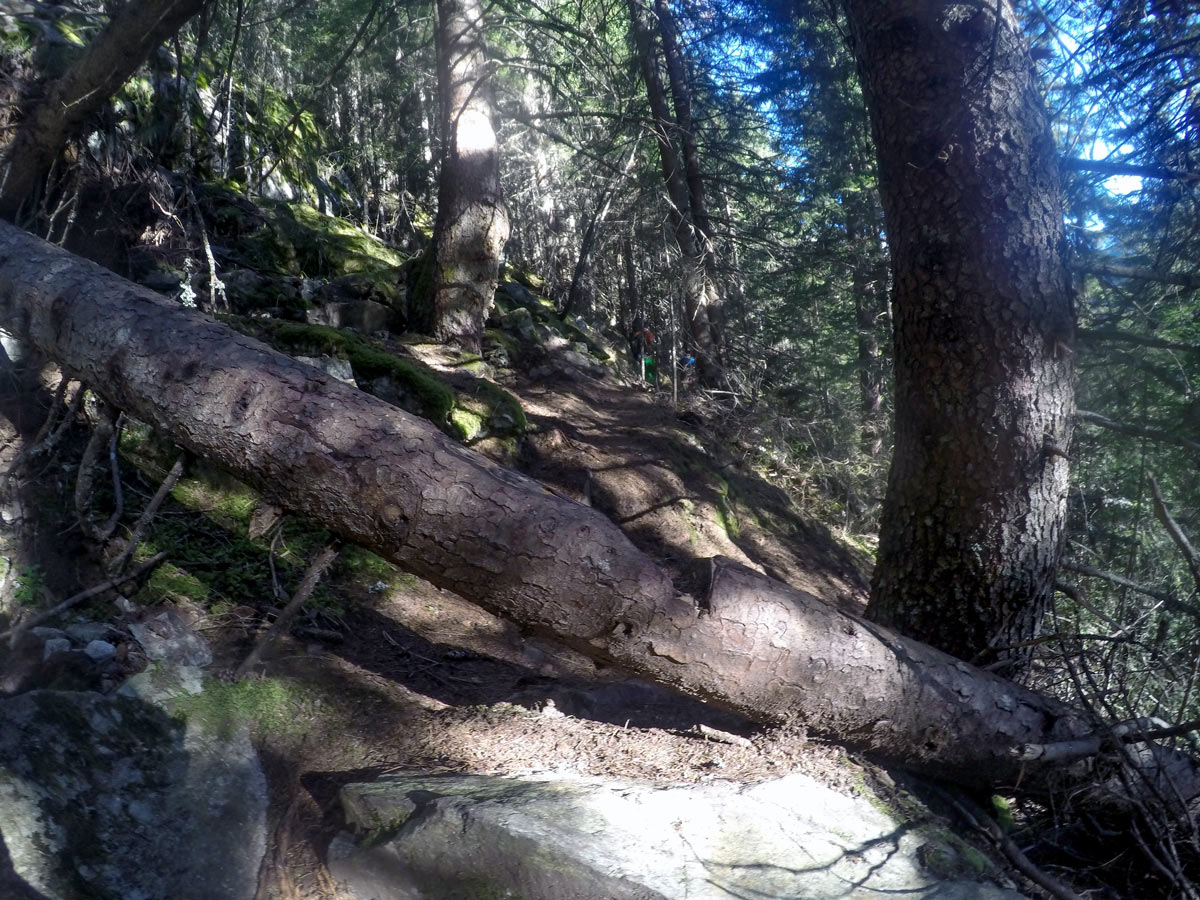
[(472, 222), (699, 292), (973, 521), (377, 476), (66, 103)]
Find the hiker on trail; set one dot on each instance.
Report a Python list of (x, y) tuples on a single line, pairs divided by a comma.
[(642, 344)]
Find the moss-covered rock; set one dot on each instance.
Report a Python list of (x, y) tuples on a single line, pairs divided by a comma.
[(467, 413)]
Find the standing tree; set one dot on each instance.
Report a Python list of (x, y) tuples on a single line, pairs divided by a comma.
[(63, 105), (472, 222), (973, 521)]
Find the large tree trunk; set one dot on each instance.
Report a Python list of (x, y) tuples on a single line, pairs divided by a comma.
[(393, 483), (65, 104), (699, 292), (472, 222), (973, 522)]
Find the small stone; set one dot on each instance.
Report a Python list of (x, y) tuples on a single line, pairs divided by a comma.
[(167, 637), (55, 645), (100, 650), (124, 604), (86, 632)]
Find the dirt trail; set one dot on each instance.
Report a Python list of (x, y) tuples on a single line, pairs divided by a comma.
[(662, 475)]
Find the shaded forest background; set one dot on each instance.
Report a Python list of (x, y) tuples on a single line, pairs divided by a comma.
[(334, 105)]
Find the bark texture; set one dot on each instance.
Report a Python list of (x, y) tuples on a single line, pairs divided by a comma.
[(472, 222), (377, 476), (973, 522), (64, 105)]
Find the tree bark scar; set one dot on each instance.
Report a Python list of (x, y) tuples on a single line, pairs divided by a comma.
[(58, 315), (392, 519), (702, 575)]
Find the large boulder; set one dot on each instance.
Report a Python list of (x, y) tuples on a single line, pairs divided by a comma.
[(563, 838), (110, 798)]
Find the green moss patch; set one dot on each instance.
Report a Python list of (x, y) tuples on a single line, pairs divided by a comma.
[(296, 239), (483, 408), (274, 707)]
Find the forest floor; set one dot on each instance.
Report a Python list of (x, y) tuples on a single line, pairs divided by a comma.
[(395, 674), (424, 680)]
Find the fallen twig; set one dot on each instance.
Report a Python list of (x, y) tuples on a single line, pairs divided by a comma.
[(1012, 852), (16, 631), (723, 737), (307, 585), (147, 516)]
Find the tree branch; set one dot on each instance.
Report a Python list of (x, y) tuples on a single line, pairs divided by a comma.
[(308, 584), (1166, 598), (1146, 431), (1182, 279), (1114, 334), (1104, 167), (16, 631), (1173, 529)]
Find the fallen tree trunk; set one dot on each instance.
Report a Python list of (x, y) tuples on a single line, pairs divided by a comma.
[(391, 482)]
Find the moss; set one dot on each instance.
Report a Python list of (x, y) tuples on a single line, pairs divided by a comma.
[(231, 505), (365, 564), (503, 340), (504, 411), (728, 519), (146, 448), (574, 333), (312, 244), (481, 408), (466, 424), (436, 400), (296, 239), (316, 340), (171, 582), (268, 706), (531, 280), (1004, 814)]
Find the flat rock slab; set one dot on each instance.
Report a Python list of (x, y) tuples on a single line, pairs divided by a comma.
[(109, 798), (567, 838)]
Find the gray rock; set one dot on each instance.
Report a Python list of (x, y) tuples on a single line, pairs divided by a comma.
[(124, 605), (336, 368), (517, 295), (100, 650), (55, 645), (43, 633), (557, 838), (581, 361), (363, 316), (86, 632), (160, 683), (168, 638), (520, 323), (109, 798)]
